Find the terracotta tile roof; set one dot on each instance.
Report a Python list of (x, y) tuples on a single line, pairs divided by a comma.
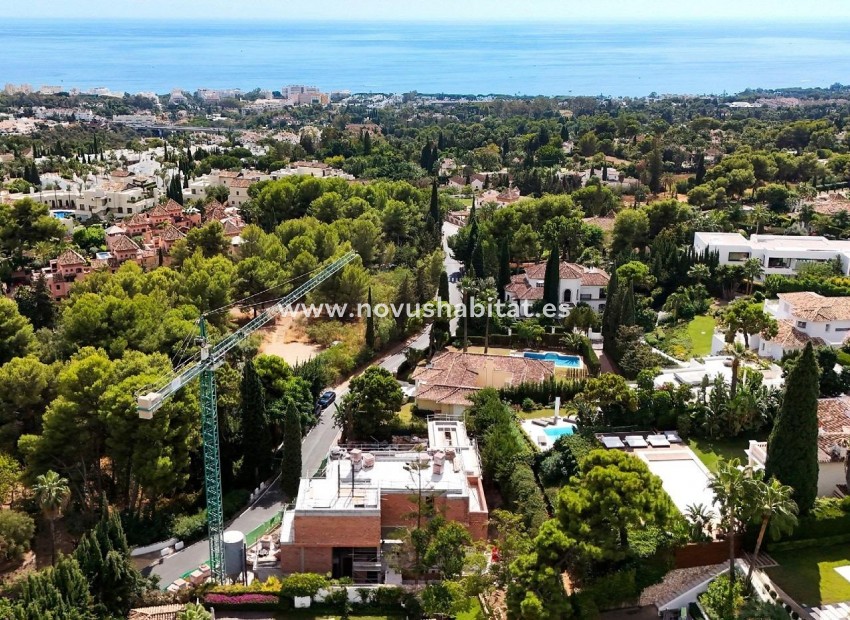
[(241, 183), (232, 226), (833, 428), (589, 276), (809, 306), (158, 211), (70, 257), (120, 173), (170, 233), (214, 211), (227, 174), (138, 219), (789, 336), (455, 369), (123, 243), (446, 395), (521, 290), (172, 207), (158, 612)]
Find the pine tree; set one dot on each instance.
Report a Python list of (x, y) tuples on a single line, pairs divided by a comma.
[(443, 287), (627, 306), (406, 295), (611, 314), (256, 438), (792, 449), (504, 268), (367, 143), (36, 303), (290, 475), (552, 278), (370, 324)]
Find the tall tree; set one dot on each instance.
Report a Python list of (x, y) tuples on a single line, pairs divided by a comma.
[(51, 493), (291, 464), (36, 304), (443, 287), (504, 276), (477, 261), (434, 210), (256, 439), (552, 278), (370, 323), (776, 512), (792, 449), (611, 314)]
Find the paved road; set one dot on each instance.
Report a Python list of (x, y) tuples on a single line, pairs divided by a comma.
[(314, 448)]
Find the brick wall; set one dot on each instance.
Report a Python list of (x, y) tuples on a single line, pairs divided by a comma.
[(297, 559), (705, 554), (338, 530)]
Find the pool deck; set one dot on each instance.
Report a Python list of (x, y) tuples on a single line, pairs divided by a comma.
[(538, 434)]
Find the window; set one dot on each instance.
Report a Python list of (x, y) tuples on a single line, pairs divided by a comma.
[(738, 257), (828, 326), (601, 307), (568, 295), (842, 329), (585, 296), (801, 324), (778, 263)]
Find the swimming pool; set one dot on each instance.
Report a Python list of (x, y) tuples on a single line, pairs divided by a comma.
[(558, 431), (565, 361)]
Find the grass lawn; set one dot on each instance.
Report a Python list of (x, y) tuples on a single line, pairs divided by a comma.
[(808, 575), (700, 330), (709, 450), (547, 412), (475, 612)]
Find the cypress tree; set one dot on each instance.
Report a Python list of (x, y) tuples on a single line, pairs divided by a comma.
[(370, 324), (611, 314), (290, 475), (406, 295), (792, 449), (504, 268), (627, 306), (367, 143), (552, 278), (472, 239), (477, 261), (256, 439), (434, 210), (443, 287)]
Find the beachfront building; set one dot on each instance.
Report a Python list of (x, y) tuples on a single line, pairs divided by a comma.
[(833, 439), (445, 384), (778, 254), (577, 284), (344, 521)]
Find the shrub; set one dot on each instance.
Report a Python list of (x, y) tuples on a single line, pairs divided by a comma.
[(16, 532), (234, 501), (716, 601), (189, 528), (260, 601), (528, 405), (543, 392), (614, 589), (303, 584)]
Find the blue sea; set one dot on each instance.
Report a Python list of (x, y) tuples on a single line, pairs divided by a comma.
[(485, 58)]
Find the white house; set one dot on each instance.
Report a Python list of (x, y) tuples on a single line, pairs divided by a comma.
[(833, 437), (577, 284), (778, 254), (804, 317)]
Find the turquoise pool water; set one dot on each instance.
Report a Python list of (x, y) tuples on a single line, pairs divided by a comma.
[(568, 361), (555, 432)]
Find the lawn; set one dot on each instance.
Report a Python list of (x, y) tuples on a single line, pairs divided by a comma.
[(475, 612), (809, 577), (546, 412), (685, 340), (700, 330), (709, 450)]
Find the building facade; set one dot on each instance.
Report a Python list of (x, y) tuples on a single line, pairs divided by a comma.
[(577, 284)]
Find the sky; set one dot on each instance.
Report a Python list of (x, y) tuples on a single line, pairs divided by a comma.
[(432, 10)]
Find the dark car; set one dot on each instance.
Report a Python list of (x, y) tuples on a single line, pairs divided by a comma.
[(326, 399)]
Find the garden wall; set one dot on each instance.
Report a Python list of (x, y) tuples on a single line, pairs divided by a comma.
[(705, 554)]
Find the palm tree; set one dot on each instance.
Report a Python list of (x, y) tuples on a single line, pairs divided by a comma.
[(699, 273), (778, 512), (760, 217), (573, 342), (486, 295), (731, 486), (675, 302), (739, 352), (51, 493), (700, 518), (752, 269), (582, 317)]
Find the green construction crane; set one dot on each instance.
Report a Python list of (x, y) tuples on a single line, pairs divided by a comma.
[(210, 358)]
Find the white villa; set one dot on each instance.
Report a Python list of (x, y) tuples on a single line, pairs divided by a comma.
[(833, 438), (779, 254), (805, 317), (577, 284)]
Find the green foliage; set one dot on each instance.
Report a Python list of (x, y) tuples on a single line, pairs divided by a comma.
[(291, 463), (256, 438), (792, 447), (16, 532), (16, 334), (543, 392), (561, 463), (303, 584), (370, 405), (717, 600)]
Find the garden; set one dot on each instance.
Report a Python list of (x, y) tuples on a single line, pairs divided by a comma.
[(684, 340), (809, 575)]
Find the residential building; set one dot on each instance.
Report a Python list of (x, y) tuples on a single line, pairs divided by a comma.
[(445, 384), (778, 254), (135, 120), (804, 317), (577, 284), (344, 520), (833, 440), (104, 198), (64, 270)]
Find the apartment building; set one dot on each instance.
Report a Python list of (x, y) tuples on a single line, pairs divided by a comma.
[(778, 254), (577, 284), (107, 198), (344, 521)]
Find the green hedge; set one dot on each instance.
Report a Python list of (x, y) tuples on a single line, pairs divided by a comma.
[(590, 358), (829, 519), (543, 392), (804, 543)]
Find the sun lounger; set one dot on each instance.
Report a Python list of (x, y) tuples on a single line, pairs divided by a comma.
[(612, 442), (541, 422), (636, 441), (673, 437), (658, 441)]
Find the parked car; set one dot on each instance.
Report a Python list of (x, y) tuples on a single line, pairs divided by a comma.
[(326, 399)]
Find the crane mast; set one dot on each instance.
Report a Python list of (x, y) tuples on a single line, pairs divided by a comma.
[(210, 358)]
